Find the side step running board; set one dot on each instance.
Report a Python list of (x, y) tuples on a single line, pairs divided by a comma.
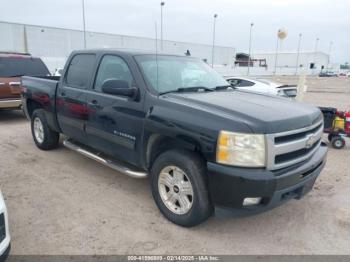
[(107, 162)]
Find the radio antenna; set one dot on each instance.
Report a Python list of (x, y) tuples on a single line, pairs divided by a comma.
[(157, 72)]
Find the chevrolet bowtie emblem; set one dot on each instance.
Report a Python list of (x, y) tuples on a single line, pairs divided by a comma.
[(311, 140)]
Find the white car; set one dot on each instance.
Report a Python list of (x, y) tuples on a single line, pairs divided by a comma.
[(58, 72), (4, 231), (263, 86)]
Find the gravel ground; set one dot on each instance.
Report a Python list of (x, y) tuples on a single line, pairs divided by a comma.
[(60, 202)]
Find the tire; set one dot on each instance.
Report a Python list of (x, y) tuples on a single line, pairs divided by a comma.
[(189, 166), (330, 136), (338, 142), (44, 138)]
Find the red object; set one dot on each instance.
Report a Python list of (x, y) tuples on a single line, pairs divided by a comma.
[(341, 114), (347, 123)]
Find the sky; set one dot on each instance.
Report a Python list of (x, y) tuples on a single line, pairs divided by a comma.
[(192, 21)]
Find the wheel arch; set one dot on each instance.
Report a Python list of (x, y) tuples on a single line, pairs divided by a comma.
[(31, 106), (158, 144)]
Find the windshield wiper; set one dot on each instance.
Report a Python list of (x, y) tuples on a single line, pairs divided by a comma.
[(188, 89)]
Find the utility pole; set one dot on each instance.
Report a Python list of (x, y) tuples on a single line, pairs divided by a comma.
[(212, 51), (250, 46), (329, 54), (298, 54), (315, 51), (276, 56), (84, 31), (161, 24)]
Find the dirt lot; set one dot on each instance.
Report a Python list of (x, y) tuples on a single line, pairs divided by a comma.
[(63, 203)]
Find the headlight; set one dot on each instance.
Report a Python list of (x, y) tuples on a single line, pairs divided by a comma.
[(237, 149)]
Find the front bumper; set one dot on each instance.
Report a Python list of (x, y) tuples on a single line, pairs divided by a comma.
[(6, 253), (10, 103), (229, 186)]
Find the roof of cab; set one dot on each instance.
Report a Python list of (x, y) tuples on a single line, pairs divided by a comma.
[(122, 52)]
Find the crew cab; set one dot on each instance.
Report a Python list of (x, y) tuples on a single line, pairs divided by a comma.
[(263, 86), (12, 66), (203, 144), (5, 238)]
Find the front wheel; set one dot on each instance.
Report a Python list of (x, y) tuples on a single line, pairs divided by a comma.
[(179, 187), (43, 136)]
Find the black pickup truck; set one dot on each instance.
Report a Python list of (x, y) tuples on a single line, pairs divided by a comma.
[(203, 143)]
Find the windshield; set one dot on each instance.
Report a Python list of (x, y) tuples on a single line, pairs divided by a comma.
[(18, 66), (178, 72)]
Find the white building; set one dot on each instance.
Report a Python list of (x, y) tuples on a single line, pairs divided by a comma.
[(54, 45), (289, 62)]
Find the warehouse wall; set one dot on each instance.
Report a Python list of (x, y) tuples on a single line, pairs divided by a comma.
[(286, 62), (55, 44)]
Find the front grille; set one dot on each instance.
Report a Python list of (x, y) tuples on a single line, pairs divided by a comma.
[(2, 227), (295, 154), (291, 147), (283, 139)]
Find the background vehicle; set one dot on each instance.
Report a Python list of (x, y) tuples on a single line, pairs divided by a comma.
[(336, 125), (202, 143), (327, 74), (263, 86), (58, 72), (4, 231), (12, 67)]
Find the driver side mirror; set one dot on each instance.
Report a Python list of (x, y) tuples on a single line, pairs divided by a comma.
[(119, 88)]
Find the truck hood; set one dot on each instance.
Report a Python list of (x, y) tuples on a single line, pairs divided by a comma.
[(261, 113)]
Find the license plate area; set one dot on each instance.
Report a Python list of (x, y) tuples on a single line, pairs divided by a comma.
[(300, 191)]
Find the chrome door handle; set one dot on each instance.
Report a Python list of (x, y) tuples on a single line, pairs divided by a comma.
[(15, 83), (94, 103)]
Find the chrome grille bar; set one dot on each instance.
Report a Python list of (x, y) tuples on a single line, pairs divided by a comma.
[(292, 145)]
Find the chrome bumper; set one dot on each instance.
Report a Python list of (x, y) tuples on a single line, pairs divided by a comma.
[(10, 103)]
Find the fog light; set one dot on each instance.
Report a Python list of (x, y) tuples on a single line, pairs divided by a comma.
[(251, 201)]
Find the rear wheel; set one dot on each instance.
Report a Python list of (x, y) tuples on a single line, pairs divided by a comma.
[(338, 142), (179, 187), (43, 136)]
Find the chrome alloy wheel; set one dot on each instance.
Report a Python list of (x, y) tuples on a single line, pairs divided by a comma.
[(175, 190), (38, 129)]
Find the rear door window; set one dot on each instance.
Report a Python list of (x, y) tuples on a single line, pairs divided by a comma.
[(80, 71), (22, 66)]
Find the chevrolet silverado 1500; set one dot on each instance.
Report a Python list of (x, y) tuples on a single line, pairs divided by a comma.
[(202, 143)]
